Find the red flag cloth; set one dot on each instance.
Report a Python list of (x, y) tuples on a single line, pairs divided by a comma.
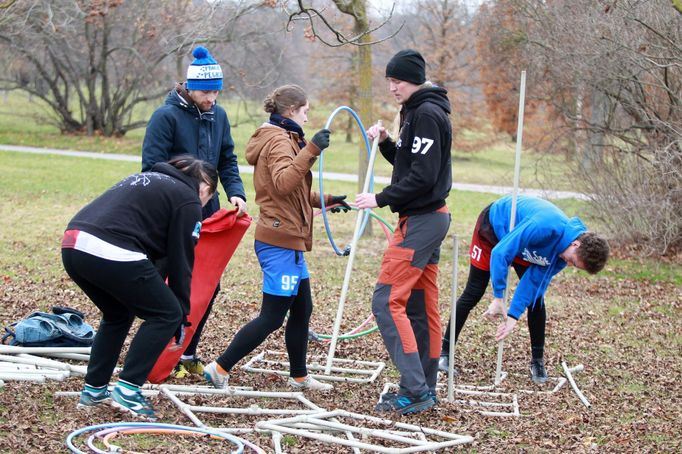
[(219, 238)]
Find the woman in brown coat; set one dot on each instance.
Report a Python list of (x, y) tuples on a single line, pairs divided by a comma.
[(282, 159)]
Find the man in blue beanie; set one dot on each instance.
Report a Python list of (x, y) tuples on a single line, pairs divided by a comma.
[(191, 122)]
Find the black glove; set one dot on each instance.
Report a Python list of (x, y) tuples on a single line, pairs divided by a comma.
[(339, 199), (180, 334), (321, 138)]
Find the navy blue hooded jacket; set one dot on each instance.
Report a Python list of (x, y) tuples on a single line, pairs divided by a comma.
[(179, 127), (422, 169)]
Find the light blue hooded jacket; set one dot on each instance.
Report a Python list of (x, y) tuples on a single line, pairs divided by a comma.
[(541, 232)]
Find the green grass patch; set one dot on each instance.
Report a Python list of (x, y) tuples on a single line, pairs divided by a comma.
[(498, 433), (645, 269), (289, 441), (492, 166)]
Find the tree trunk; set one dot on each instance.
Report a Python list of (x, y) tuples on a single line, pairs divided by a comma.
[(364, 93)]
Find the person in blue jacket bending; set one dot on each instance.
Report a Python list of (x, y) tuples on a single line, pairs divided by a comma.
[(191, 122), (542, 243)]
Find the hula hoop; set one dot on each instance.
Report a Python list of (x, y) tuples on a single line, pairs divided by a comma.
[(383, 223), (122, 426), (320, 178), (355, 332)]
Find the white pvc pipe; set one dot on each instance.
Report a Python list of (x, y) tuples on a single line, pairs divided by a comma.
[(512, 221), (453, 321), (351, 258), (567, 371), (22, 377), (284, 425), (45, 362), (12, 349), (74, 356)]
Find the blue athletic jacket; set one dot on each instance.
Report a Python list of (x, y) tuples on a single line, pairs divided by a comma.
[(179, 127), (541, 232)]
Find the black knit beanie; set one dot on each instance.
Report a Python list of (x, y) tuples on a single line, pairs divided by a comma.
[(407, 65)]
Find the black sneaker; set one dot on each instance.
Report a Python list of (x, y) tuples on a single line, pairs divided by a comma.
[(537, 371), (405, 405)]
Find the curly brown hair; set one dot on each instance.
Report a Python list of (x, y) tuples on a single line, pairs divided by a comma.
[(593, 252)]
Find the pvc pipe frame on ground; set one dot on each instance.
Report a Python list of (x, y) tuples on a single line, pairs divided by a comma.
[(419, 444), (359, 374)]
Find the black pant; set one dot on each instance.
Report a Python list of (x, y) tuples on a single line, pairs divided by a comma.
[(123, 291), (477, 282), (271, 317)]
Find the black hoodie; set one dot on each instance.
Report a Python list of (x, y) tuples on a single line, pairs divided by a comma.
[(155, 213), (422, 171)]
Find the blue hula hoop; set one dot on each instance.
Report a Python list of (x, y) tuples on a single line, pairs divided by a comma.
[(327, 228), (234, 440)]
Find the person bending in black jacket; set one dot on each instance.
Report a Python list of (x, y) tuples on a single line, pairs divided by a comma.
[(108, 250), (405, 301)]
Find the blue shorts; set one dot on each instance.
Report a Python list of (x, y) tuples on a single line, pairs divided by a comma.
[(282, 268)]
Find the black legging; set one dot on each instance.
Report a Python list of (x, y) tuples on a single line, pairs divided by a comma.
[(477, 282), (271, 317)]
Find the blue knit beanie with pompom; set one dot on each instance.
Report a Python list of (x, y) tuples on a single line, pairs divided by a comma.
[(204, 73)]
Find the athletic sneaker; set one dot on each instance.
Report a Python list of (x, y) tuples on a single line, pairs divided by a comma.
[(406, 405), (134, 404), (433, 396), (88, 399), (385, 397), (537, 371), (215, 378), (443, 363), (188, 366), (310, 383)]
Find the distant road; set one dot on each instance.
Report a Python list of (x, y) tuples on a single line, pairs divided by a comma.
[(333, 176)]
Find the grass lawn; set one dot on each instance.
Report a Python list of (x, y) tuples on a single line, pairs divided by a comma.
[(492, 166)]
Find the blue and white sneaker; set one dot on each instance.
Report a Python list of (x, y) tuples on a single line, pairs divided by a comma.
[(134, 403), (405, 405), (89, 399)]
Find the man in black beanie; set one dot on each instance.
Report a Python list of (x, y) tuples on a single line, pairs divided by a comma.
[(405, 301)]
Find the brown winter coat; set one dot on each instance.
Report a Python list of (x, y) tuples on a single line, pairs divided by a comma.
[(283, 180)]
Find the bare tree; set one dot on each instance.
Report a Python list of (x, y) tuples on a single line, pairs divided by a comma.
[(94, 61), (612, 73), (320, 26), (442, 31)]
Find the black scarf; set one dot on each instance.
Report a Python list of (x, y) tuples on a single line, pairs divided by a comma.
[(289, 125)]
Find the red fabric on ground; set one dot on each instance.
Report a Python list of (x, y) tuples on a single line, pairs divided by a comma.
[(219, 238)]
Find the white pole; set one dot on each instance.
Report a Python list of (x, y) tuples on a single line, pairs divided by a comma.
[(453, 322), (351, 257), (512, 220), (569, 375)]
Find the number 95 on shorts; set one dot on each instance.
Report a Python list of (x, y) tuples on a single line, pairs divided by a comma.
[(283, 269)]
